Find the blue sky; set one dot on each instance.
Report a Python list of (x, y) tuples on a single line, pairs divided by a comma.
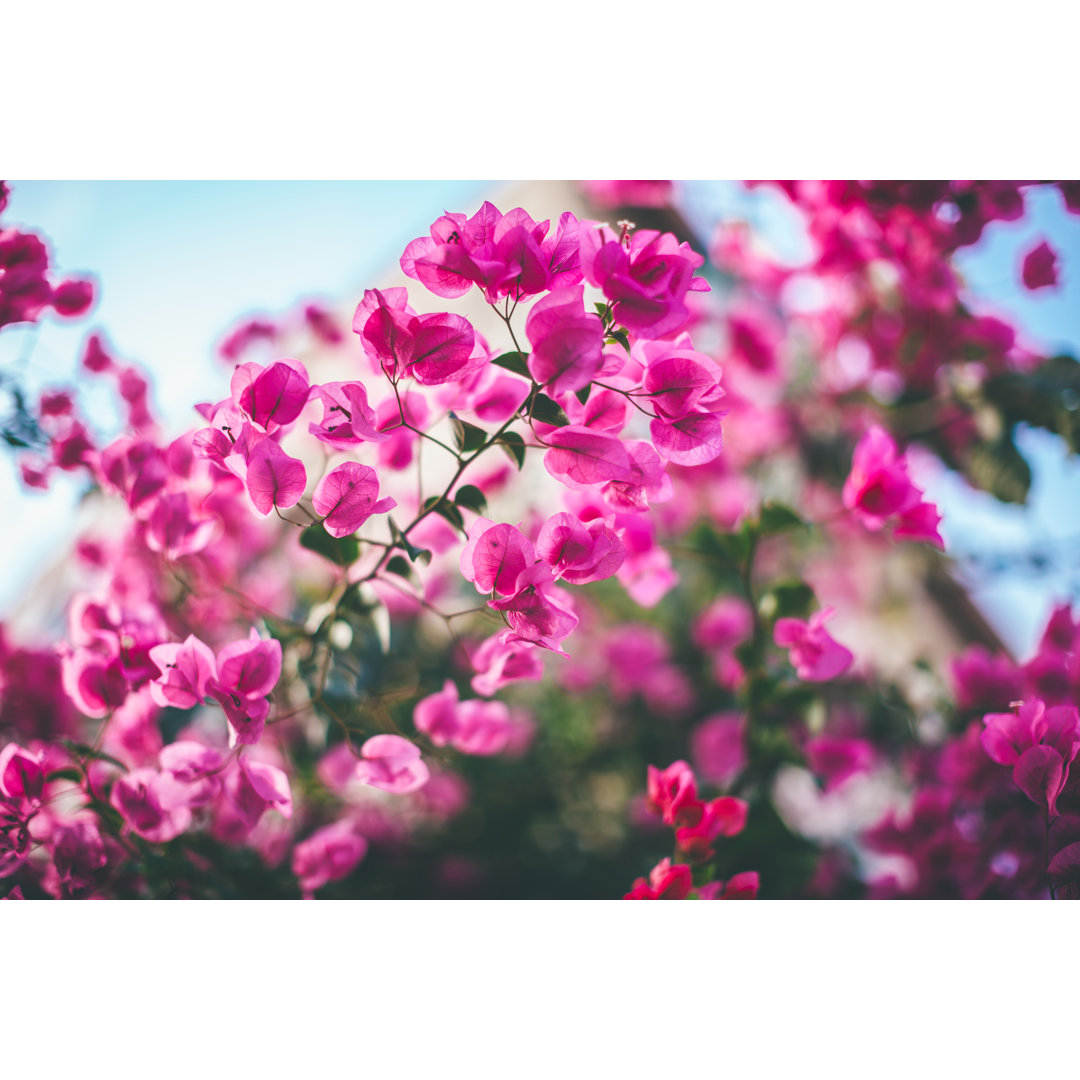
[(178, 263)]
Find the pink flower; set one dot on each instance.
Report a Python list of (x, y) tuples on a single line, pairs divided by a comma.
[(348, 419), (497, 665), (879, 490), (392, 764), (255, 787), (273, 479), (836, 758), (719, 747), (328, 855), (495, 557), (275, 396), (21, 774), (436, 715), (742, 886), (580, 457), (1040, 267), (186, 669), (1040, 743), (505, 254), (672, 793), (666, 882), (815, 656), (137, 795), (577, 552), (567, 342), (347, 496), (647, 280), (725, 816), (190, 773), (247, 670)]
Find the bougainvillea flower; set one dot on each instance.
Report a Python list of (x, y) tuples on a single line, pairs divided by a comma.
[(186, 668), (815, 655), (580, 456), (330, 854), (672, 793), (647, 280), (580, 553), (392, 763), (275, 396), (835, 758), (347, 496), (254, 787), (137, 796), (348, 419), (21, 774), (433, 349), (273, 479), (1040, 267), (719, 747), (436, 715), (693, 439), (742, 886), (247, 670), (679, 380), (567, 342), (497, 665), (879, 490), (725, 816), (190, 774), (1040, 743), (174, 530), (666, 882), (537, 613), (504, 254), (495, 557)]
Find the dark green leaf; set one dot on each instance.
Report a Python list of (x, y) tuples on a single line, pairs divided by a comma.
[(438, 505), (548, 411), (471, 497), (620, 337), (1000, 469), (792, 599), (81, 750), (416, 555), (399, 565), (513, 445), (65, 774), (341, 552), (515, 362), (777, 518), (583, 394), (467, 436)]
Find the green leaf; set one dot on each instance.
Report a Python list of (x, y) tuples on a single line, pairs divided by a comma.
[(416, 555), (81, 750), (513, 445), (777, 518), (583, 394), (64, 774), (467, 436), (791, 599), (1000, 469), (399, 565), (471, 497), (445, 509), (515, 362), (618, 337), (548, 411), (341, 552)]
